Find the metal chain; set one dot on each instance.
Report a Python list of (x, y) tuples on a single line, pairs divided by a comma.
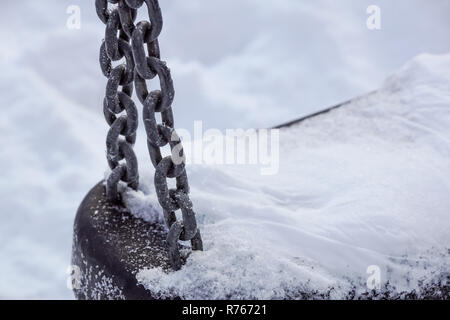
[(119, 109), (145, 67)]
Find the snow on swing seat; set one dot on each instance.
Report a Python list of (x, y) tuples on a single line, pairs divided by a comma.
[(361, 188)]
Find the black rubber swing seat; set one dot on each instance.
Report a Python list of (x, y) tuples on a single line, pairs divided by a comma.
[(110, 246)]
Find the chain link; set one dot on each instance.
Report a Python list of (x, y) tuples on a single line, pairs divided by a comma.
[(140, 67)]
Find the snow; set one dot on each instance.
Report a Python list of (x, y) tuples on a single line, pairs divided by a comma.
[(266, 59), (366, 184)]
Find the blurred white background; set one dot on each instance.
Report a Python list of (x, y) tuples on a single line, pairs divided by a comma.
[(236, 63)]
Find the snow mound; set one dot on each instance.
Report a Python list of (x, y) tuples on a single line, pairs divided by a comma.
[(364, 185)]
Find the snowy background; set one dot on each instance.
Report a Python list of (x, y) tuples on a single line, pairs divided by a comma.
[(243, 63)]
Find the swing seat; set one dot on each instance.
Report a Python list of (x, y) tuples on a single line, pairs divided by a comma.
[(110, 246)]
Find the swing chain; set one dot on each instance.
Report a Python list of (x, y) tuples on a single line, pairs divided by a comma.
[(138, 68)]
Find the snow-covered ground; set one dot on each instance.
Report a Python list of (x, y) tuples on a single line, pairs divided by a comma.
[(364, 185), (243, 63)]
